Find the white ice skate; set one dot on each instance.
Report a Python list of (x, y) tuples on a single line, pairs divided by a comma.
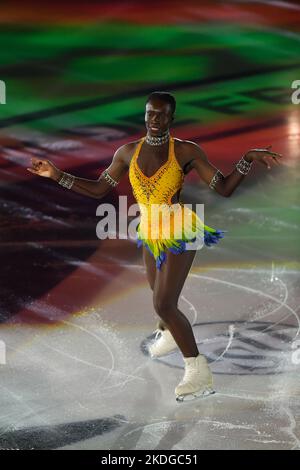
[(163, 343), (197, 381)]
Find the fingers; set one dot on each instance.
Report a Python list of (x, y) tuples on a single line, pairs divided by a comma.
[(266, 156), (267, 159), (275, 154), (275, 157), (266, 162), (38, 166), (36, 160), (268, 152), (278, 162), (32, 171)]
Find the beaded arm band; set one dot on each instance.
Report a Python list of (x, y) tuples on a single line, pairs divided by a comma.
[(217, 177), (243, 166), (109, 179), (66, 180)]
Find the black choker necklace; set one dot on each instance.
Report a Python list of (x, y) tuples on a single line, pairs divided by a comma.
[(160, 140)]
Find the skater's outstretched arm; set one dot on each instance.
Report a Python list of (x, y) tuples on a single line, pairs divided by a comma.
[(92, 188), (225, 185)]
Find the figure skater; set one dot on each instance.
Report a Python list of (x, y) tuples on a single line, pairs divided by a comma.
[(157, 164)]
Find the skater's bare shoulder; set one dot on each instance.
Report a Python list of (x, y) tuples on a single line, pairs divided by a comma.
[(124, 153), (190, 148), (195, 158), (121, 160), (188, 153)]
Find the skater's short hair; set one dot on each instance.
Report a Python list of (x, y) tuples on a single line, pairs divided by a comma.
[(165, 97)]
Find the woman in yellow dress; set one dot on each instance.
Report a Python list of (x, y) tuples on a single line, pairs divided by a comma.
[(157, 164)]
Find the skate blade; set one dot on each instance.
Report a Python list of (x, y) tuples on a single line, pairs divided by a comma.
[(194, 396)]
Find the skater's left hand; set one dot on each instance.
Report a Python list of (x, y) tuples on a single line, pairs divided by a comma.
[(264, 156)]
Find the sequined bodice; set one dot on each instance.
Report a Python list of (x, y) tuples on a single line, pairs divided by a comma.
[(162, 185), (179, 224)]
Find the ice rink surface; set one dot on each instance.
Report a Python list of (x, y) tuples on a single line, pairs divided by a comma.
[(86, 381)]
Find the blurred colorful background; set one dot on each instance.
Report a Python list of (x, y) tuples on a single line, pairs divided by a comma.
[(77, 77)]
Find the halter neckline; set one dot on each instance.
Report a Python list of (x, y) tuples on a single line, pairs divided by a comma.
[(171, 142)]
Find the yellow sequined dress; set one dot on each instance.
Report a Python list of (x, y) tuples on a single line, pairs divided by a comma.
[(165, 225)]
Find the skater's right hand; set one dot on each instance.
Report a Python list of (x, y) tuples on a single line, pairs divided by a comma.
[(44, 168)]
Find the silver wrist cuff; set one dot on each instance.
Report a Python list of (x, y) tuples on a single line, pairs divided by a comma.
[(109, 179), (243, 166), (217, 177), (66, 180)]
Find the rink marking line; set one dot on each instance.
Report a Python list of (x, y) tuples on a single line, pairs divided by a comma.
[(282, 303), (128, 378), (19, 400), (254, 291), (100, 340), (91, 364), (33, 413), (218, 424), (231, 329), (111, 370), (275, 310), (292, 424), (249, 289), (289, 430), (192, 307)]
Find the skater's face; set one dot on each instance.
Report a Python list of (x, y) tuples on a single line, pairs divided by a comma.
[(158, 117)]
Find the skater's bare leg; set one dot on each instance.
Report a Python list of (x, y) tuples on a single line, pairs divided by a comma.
[(168, 285), (150, 266)]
